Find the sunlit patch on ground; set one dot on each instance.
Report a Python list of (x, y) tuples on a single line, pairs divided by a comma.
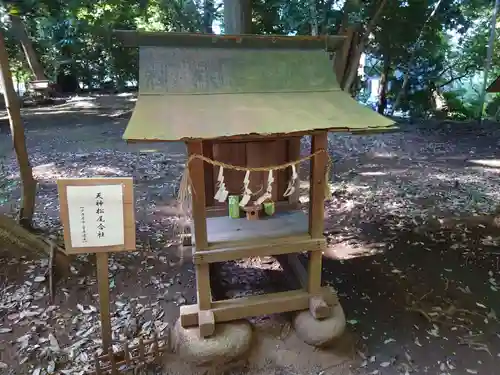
[(350, 250), (485, 170), (54, 112), (44, 167), (51, 172), (385, 155), (373, 173), (495, 163), (105, 170)]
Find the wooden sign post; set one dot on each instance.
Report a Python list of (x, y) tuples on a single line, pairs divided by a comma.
[(98, 217)]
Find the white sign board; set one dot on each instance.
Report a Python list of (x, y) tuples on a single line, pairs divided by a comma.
[(95, 215)]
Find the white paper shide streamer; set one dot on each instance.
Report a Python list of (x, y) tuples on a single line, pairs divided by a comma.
[(269, 189), (222, 193), (247, 193), (292, 183)]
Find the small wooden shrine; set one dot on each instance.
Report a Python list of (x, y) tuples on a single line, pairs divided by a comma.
[(241, 105)]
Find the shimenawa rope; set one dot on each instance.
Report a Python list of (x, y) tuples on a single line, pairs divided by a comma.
[(186, 189)]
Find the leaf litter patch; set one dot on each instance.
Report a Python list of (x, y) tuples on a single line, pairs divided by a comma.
[(416, 189), (414, 186)]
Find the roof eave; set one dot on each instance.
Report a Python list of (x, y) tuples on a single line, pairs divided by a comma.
[(258, 137), (132, 38), (494, 87)]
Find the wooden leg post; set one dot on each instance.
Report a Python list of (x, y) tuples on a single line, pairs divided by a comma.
[(103, 286), (205, 316), (317, 305)]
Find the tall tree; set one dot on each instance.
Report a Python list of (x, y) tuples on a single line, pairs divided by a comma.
[(20, 32), (313, 9), (19, 234), (414, 50), (27, 208), (208, 16), (237, 16), (489, 57), (364, 30)]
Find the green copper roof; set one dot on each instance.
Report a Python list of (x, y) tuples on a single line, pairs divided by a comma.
[(495, 86), (212, 89)]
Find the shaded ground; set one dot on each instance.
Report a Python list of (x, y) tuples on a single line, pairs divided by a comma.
[(396, 270)]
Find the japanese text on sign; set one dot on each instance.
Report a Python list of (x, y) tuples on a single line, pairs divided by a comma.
[(99, 202), (84, 228), (95, 215)]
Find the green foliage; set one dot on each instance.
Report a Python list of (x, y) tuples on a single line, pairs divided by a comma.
[(408, 40), (418, 103), (74, 36), (458, 108)]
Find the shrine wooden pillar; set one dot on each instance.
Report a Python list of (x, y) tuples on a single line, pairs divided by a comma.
[(204, 296), (317, 207)]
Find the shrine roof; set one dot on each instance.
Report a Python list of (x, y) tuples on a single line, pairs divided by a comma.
[(495, 86), (196, 86)]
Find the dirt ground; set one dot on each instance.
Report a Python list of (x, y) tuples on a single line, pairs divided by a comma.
[(419, 297)]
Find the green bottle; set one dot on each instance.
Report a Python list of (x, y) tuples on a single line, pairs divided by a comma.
[(234, 206), (269, 208)]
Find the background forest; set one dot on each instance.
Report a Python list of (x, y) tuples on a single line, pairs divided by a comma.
[(411, 48)]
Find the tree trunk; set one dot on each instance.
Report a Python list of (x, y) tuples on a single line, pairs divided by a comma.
[(29, 51), (313, 14), (18, 139), (208, 16), (343, 55), (237, 17), (327, 5), (438, 102), (15, 238), (384, 83), (352, 71), (489, 57), (406, 78), (12, 234), (18, 79), (489, 222)]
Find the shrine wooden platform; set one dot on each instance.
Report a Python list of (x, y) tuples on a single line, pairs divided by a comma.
[(223, 228), (284, 233), (232, 239)]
